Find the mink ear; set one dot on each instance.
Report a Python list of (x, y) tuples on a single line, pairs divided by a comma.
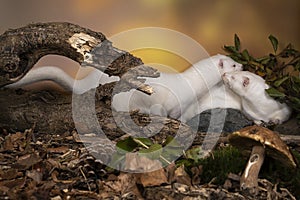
[(246, 81), (221, 63)]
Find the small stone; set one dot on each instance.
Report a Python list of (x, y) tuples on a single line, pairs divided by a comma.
[(224, 120), (227, 184)]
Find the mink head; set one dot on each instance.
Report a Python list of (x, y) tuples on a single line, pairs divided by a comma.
[(227, 64), (244, 81)]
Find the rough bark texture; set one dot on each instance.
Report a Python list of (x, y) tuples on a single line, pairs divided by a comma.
[(49, 111), (21, 48)]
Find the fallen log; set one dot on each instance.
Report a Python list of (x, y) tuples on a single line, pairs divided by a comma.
[(21, 48)]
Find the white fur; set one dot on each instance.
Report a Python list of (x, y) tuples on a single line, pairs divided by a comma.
[(178, 95), (52, 73), (218, 96), (175, 95), (256, 103)]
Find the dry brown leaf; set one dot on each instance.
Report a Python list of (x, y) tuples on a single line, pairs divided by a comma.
[(28, 160), (12, 183), (13, 140), (136, 163), (35, 174), (170, 170), (54, 175), (61, 149), (154, 178), (196, 172), (124, 184), (9, 174), (182, 177)]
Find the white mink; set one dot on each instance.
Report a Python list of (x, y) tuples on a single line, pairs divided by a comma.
[(218, 96), (177, 95), (57, 75), (256, 103)]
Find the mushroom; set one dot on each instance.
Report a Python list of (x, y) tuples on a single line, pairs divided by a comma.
[(259, 141)]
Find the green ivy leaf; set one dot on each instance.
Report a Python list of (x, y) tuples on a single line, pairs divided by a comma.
[(278, 82), (194, 153), (168, 140), (230, 49), (237, 42), (117, 159), (275, 93), (126, 145), (246, 55), (153, 152), (172, 149), (145, 141), (274, 42), (295, 104)]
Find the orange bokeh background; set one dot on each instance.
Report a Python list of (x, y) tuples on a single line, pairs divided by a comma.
[(211, 23)]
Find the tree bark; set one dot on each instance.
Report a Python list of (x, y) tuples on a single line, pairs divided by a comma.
[(53, 112), (50, 112), (21, 48)]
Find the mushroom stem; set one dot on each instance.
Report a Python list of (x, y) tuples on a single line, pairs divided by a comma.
[(249, 179)]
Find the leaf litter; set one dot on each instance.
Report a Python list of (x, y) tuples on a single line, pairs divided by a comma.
[(45, 166)]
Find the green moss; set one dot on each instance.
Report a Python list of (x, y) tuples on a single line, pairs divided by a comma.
[(218, 165), (221, 163)]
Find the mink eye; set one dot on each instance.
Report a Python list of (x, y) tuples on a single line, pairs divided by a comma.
[(234, 65)]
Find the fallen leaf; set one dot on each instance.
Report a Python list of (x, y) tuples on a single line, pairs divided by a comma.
[(125, 183), (28, 160), (9, 174), (182, 177), (154, 178), (13, 183), (36, 175), (140, 164), (196, 172), (61, 149)]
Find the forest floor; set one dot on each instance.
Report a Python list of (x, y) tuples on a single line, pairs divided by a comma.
[(44, 166)]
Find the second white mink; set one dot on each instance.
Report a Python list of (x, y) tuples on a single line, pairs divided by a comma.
[(256, 103)]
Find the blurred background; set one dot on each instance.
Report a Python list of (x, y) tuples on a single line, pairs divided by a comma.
[(211, 23)]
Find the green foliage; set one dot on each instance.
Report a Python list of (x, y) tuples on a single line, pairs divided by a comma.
[(281, 70), (221, 163), (153, 152), (218, 165), (165, 152)]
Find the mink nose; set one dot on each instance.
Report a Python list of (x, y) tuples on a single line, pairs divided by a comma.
[(224, 77)]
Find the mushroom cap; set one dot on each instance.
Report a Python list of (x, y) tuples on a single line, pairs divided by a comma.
[(250, 136)]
